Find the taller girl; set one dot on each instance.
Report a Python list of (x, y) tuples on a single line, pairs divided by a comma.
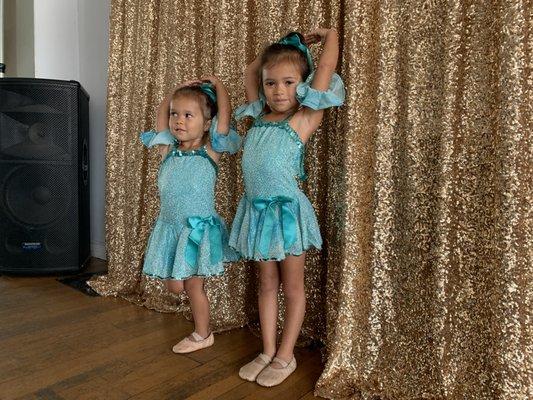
[(275, 222)]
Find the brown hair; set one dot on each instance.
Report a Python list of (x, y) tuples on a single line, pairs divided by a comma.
[(194, 92), (277, 52)]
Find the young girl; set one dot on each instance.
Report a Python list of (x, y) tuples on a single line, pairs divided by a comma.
[(189, 240), (275, 222)]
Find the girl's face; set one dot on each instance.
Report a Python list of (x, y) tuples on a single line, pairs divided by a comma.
[(187, 122), (279, 86)]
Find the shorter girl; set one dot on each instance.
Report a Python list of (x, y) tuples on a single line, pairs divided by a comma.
[(189, 240)]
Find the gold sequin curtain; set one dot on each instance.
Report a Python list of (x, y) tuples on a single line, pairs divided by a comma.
[(422, 184)]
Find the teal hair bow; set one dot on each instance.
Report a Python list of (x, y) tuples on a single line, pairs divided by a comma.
[(210, 91), (288, 221), (198, 226), (293, 39)]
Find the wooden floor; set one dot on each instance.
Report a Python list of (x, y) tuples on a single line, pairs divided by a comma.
[(58, 343)]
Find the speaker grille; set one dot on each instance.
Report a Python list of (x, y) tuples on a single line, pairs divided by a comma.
[(40, 122), (44, 190), (37, 196)]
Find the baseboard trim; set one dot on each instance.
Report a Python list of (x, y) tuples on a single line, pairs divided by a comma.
[(98, 250)]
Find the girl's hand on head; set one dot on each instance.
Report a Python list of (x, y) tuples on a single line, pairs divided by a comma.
[(316, 36)]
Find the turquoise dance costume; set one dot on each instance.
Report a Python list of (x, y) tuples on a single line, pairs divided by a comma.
[(274, 217), (189, 238)]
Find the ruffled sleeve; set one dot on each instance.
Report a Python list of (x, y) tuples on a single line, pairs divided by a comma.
[(317, 99), (253, 109), (153, 138), (229, 142)]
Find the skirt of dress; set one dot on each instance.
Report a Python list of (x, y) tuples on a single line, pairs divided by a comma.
[(274, 227), (177, 251)]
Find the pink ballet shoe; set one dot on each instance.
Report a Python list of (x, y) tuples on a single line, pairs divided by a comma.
[(250, 371), (274, 376), (187, 345)]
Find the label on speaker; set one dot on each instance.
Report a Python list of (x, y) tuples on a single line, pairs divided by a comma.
[(32, 246)]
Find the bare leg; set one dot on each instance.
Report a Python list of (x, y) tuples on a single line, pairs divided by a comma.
[(292, 278), (174, 286), (199, 305), (268, 304)]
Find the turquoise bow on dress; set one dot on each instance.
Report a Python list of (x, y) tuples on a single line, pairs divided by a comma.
[(288, 221), (198, 226)]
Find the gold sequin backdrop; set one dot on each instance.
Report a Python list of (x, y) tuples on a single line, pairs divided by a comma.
[(422, 183)]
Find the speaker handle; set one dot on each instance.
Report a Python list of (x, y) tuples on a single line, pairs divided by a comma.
[(85, 162)]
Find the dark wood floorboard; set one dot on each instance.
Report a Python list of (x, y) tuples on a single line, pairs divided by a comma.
[(57, 343)]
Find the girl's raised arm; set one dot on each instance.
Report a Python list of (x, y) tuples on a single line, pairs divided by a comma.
[(328, 59), (223, 104), (307, 120), (163, 114), (251, 80), (224, 137)]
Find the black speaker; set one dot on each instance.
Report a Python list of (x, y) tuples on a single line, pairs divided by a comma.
[(44, 176)]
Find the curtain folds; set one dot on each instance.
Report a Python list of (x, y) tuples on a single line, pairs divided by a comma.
[(422, 183)]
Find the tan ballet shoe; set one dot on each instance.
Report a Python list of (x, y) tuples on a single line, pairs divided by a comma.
[(274, 376), (250, 371), (187, 345)]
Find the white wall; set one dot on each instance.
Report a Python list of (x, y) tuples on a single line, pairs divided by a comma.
[(17, 38), (71, 42), (93, 51), (56, 39), (1, 31)]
